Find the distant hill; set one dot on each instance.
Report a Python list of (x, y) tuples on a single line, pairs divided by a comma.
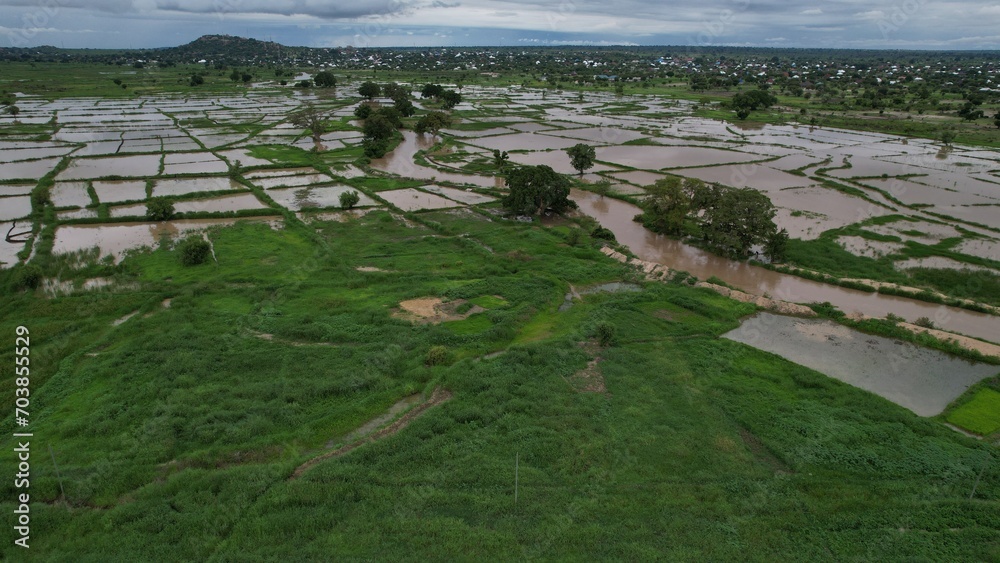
[(214, 47)]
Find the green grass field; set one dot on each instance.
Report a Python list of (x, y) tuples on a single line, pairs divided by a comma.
[(980, 415)]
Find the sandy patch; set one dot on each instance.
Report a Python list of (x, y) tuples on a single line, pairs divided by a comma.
[(984, 348), (433, 310)]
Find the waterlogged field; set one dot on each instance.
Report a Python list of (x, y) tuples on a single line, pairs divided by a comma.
[(362, 384)]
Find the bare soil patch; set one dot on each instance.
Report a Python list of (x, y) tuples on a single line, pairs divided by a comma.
[(433, 310)]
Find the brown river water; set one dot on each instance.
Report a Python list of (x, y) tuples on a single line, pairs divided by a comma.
[(617, 216)]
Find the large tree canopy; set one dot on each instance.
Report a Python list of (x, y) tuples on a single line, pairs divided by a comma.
[(730, 220), (534, 189)]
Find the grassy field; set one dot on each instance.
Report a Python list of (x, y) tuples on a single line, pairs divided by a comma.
[(981, 414), (177, 432)]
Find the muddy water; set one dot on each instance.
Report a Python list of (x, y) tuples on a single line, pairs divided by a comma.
[(400, 162), (413, 200), (220, 204), (15, 207), (114, 191), (298, 199), (922, 380), (617, 216), (657, 158), (116, 239)]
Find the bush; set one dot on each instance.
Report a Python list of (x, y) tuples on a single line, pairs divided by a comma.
[(924, 322), (349, 199), (159, 209), (605, 333), (27, 277), (573, 237), (194, 250), (437, 355), (603, 234)]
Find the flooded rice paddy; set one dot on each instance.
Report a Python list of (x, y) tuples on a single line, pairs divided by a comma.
[(922, 380), (116, 239), (120, 152)]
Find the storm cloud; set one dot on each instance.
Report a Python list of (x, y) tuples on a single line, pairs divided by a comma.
[(909, 24)]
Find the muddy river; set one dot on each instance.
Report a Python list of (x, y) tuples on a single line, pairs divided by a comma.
[(617, 216)]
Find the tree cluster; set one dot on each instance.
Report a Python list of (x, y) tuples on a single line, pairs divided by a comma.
[(449, 98), (746, 102), (536, 189), (730, 220), (433, 122)]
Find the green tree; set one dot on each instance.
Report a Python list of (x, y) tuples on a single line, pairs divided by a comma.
[(451, 98), (534, 189), (405, 107), (666, 206), (395, 92), (500, 159), (349, 199), (363, 111), (431, 91), (312, 119), (433, 122), (741, 219), (197, 80), (947, 135), (777, 246), (582, 157), (159, 209), (392, 115), (194, 250), (996, 120), (370, 90), (378, 133), (325, 79), (970, 112), (234, 76), (13, 110)]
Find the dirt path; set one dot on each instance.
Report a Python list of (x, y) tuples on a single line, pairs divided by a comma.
[(439, 396)]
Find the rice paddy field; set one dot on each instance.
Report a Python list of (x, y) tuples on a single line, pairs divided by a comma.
[(422, 378)]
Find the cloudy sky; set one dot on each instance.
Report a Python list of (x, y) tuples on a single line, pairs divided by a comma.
[(877, 24)]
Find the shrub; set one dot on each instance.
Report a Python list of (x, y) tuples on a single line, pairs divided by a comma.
[(194, 250), (573, 237), (603, 234), (437, 355), (349, 199), (605, 333), (159, 209), (27, 277), (924, 322)]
